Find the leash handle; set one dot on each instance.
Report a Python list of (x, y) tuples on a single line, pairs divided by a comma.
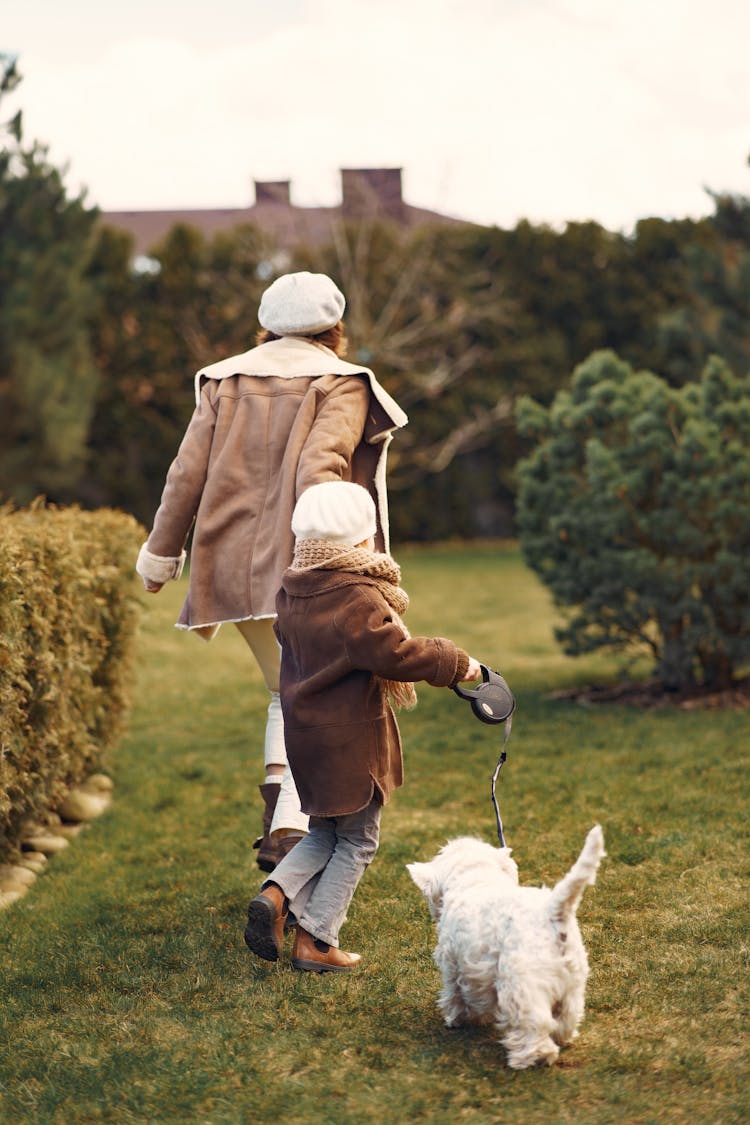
[(500, 762)]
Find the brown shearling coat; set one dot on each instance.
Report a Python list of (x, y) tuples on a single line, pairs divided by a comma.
[(338, 635), (254, 444)]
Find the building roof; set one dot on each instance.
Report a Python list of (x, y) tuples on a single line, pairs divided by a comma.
[(366, 193)]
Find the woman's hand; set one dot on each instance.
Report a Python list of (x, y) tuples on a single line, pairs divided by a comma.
[(152, 587)]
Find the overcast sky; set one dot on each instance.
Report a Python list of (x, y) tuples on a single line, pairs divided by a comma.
[(496, 110)]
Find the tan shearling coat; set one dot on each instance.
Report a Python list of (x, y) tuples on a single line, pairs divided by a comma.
[(338, 636), (267, 425)]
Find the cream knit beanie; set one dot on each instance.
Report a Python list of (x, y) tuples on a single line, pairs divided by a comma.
[(301, 304), (337, 511)]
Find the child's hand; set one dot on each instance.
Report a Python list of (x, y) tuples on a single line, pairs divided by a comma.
[(473, 672)]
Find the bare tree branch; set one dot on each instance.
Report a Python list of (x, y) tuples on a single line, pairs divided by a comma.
[(469, 436)]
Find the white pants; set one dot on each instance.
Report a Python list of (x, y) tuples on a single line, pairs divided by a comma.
[(259, 636)]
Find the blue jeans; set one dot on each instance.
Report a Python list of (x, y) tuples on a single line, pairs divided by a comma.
[(321, 873)]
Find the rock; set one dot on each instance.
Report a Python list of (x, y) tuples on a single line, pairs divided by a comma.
[(34, 861), (98, 783), (7, 898), (88, 800), (16, 873), (47, 844), (83, 805), (33, 828), (10, 886), (69, 831)]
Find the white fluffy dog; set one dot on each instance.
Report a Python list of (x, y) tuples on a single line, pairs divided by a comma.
[(509, 955)]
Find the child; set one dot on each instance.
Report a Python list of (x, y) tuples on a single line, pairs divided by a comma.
[(344, 651)]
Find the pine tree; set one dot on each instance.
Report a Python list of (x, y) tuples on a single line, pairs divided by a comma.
[(633, 510), (47, 376), (715, 318)]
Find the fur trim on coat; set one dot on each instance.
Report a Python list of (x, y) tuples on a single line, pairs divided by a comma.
[(159, 568)]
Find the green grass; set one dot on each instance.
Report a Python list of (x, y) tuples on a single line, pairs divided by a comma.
[(128, 994)]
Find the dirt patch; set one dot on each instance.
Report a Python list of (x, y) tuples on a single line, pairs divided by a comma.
[(650, 693)]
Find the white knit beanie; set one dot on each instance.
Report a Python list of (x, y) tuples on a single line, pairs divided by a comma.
[(337, 511), (301, 304)]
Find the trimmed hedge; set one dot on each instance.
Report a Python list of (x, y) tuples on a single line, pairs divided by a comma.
[(68, 617)]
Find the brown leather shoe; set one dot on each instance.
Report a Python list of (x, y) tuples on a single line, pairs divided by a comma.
[(315, 956), (266, 914)]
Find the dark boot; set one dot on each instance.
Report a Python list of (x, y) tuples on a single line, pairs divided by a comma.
[(268, 849), (285, 843)]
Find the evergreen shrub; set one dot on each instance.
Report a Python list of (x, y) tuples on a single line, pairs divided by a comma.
[(68, 616), (633, 509)]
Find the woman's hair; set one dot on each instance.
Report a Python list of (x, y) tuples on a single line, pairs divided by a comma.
[(332, 338)]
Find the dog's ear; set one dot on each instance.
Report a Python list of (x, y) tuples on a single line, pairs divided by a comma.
[(423, 876)]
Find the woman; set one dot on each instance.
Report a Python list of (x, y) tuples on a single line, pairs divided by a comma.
[(269, 423)]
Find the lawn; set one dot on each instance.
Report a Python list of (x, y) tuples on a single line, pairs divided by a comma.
[(128, 993)]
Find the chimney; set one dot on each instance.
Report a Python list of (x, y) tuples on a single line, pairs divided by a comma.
[(371, 192), (272, 191)]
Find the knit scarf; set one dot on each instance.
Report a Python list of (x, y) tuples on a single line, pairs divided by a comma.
[(321, 554)]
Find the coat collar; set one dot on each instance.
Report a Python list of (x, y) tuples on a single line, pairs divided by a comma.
[(291, 358), (310, 583)]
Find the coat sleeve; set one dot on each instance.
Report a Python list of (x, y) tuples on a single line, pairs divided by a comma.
[(377, 643), (184, 484), (336, 432)]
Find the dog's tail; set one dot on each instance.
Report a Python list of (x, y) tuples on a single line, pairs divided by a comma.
[(567, 894)]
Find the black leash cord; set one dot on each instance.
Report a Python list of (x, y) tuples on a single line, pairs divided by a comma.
[(500, 762)]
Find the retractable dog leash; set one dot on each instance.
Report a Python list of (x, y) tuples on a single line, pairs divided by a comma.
[(492, 702)]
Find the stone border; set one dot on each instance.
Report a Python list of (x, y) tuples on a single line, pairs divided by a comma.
[(39, 842)]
